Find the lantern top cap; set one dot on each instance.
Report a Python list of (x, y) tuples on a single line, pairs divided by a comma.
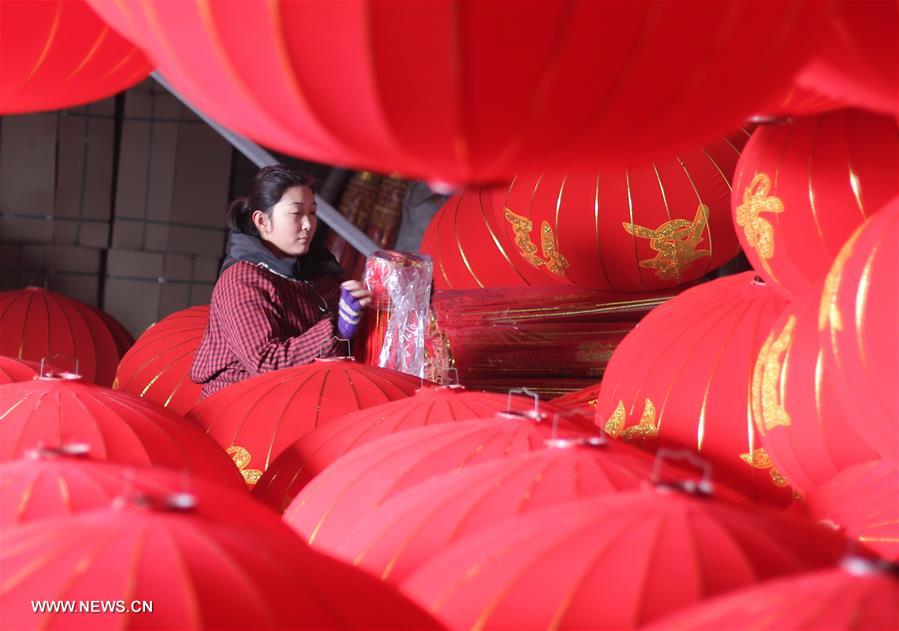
[(181, 502), (580, 441), (70, 450), (58, 376), (440, 389)]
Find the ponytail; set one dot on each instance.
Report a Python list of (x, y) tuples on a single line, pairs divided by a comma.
[(239, 217)]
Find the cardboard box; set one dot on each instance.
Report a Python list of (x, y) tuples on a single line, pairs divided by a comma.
[(73, 271), (173, 178), (142, 287), (86, 144), (28, 165)]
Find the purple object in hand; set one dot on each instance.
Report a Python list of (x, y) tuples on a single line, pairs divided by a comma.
[(349, 315)]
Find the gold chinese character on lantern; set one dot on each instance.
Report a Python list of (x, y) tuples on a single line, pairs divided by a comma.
[(241, 458), (758, 230), (759, 459), (646, 428), (675, 241), (552, 258), (767, 402)]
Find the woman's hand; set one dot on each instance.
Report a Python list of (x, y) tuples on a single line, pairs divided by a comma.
[(358, 291)]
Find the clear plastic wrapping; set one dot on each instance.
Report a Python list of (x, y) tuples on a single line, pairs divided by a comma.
[(400, 283)]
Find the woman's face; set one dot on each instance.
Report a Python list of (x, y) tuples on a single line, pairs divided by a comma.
[(291, 224)]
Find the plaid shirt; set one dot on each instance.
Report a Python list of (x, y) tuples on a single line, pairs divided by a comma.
[(261, 321)]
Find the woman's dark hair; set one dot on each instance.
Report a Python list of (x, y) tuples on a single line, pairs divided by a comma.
[(267, 189)]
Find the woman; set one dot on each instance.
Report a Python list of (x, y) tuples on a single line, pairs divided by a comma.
[(276, 303)]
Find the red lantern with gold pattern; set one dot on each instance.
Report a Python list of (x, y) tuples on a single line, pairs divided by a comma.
[(182, 570), (492, 89), (682, 377), (59, 53), (805, 430), (641, 228), (258, 418), (356, 484), (157, 367), (857, 319), (802, 187), (60, 412), (861, 595), (861, 502), (38, 325), (463, 240), (615, 561), (431, 405)]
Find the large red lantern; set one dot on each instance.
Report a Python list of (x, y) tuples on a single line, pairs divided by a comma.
[(859, 312), (862, 502), (258, 418), (157, 367), (408, 530), (613, 562), (430, 405), (857, 65), (804, 428), (59, 412), (493, 89), (802, 187), (861, 595), (583, 399), (38, 325), (642, 227), (682, 377), (48, 484), (123, 339), (174, 568), (463, 239), (356, 484), (60, 53), (13, 370)]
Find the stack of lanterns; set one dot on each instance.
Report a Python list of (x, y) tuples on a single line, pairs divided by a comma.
[(743, 443)]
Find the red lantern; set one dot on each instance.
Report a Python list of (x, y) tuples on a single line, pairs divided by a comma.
[(176, 569), (645, 227), (622, 229), (796, 410), (123, 339), (258, 418), (858, 63), (59, 411), (802, 187), (13, 370), (859, 312), (861, 501), (48, 484), (355, 485), (406, 531), (682, 377), (430, 405), (860, 595), (492, 90), (36, 325), (59, 54), (157, 367), (613, 562), (579, 399), (463, 241)]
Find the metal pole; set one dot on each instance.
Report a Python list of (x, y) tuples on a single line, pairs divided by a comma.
[(260, 157)]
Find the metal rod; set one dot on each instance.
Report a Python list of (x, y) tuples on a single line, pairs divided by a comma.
[(260, 157)]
